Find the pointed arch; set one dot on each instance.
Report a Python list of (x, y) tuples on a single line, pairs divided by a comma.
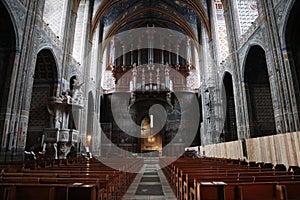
[(258, 93), (293, 50), (229, 132), (8, 53), (107, 5), (45, 85)]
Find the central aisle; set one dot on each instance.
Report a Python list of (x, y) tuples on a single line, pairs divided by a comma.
[(150, 183)]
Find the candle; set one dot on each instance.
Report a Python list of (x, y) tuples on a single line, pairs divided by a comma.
[(151, 121)]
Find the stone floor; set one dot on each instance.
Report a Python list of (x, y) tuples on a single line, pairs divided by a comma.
[(150, 183)]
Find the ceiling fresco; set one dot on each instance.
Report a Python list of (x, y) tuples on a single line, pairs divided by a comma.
[(122, 15)]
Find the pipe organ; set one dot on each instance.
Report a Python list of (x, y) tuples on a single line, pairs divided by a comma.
[(151, 77)]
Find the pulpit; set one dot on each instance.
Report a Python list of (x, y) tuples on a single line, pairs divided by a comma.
[(59, 137)]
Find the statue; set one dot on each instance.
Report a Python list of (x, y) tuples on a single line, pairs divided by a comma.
[(76, 88), (65, 149), (44, 147), (55, 150), (77, 92), (169, 99), (67, 97), (134, 66), (55, 116)]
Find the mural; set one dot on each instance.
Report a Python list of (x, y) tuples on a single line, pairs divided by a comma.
[(248, 12)]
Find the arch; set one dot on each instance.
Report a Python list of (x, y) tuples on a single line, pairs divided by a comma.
[(229, 132), (44, 86), (106, 5), (287, 13), (293, 49), (258, 93), (55, 56), (149, 142), (251, 44), (8, 46), (72, 81), (122, 22), (7, 53), (8, 11)]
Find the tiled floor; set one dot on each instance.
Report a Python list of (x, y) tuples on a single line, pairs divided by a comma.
[(150, 183)]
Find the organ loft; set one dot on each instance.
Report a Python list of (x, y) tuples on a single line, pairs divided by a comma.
[(139, 99)]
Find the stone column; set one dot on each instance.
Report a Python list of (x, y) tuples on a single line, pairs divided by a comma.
[(17, 110), (232, 24), (292, 88), (278, 80), (68, 37)]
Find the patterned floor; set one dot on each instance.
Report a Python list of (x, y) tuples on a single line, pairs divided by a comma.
[(150, 183)]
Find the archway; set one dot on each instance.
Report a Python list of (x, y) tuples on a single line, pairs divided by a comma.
[(7, 56), (44, 87), (230, 129), (293, 48), (150, 143), (259, 98)]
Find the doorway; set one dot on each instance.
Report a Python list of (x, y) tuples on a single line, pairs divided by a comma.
[(150, 142)]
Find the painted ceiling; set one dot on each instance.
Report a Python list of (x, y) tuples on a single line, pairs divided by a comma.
[(122, 15)]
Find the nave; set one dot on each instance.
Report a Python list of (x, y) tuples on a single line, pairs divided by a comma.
[(150, 183), (131, 78)]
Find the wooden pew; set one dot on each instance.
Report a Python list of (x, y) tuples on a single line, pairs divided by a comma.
[(291, 189), (109, 183), (47, 191), (237, 191), (185, 174)]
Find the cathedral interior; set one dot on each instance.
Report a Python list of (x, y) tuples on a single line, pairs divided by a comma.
[(103, 79)]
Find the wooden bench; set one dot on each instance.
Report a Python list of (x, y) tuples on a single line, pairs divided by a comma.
[(240, 179), (107, 183), (237, 191), (47, 191)]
